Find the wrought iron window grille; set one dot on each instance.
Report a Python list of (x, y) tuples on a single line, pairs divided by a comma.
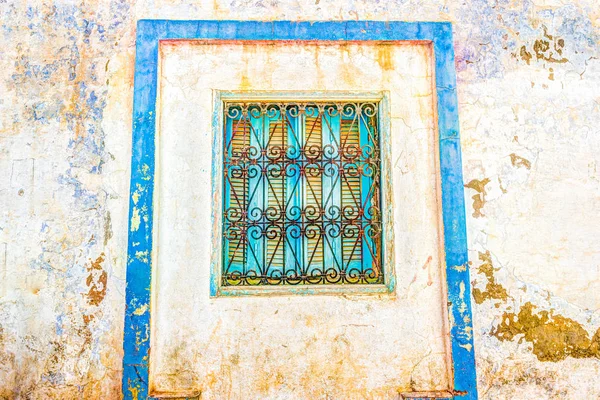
[(302, 193)]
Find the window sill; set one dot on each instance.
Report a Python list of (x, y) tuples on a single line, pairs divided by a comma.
[(339, 290)]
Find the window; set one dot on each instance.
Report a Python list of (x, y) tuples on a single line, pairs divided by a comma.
[(301, 202)]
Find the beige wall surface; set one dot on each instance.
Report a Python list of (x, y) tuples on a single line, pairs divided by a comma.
[(528, 75)]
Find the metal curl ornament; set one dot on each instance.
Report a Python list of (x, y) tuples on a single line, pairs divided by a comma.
[(349, 110), (368, 109), (312, 231)]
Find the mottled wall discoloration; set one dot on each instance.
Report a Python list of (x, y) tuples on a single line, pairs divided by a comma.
[(62, 303), (96, 281), (552, 336), (492, 290), (548, 48), (65, 123), (479, 198)]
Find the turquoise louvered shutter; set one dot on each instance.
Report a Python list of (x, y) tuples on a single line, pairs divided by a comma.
[(301, 194)]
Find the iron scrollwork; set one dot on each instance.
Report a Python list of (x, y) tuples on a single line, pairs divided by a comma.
[(301, 194)]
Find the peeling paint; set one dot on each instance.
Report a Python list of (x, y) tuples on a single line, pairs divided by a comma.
[(143, 256), (548, 48), (141, 309), (96, 281), (518, 161), (552, 336), (479, 198), (493, 290), (135, 219)]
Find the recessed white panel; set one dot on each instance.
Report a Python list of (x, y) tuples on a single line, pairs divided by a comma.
[(294, 346)]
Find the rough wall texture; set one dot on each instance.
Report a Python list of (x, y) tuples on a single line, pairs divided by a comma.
[(528, 75)]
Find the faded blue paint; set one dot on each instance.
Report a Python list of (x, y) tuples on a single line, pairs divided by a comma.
[(137, 323)]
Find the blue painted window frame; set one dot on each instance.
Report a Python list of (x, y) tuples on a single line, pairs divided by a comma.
[(136, 341)]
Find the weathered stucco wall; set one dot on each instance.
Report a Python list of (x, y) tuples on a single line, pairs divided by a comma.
[(528, 78)]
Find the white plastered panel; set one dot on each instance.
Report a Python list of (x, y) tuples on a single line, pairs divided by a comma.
[(299, 346)]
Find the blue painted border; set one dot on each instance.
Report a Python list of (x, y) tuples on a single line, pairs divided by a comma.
[(136, 341)]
